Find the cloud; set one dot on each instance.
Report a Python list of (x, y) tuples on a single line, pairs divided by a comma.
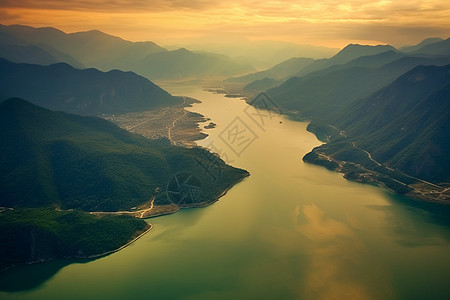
[(322, 22), (108, 5)]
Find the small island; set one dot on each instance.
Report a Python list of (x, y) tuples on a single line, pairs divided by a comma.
[(211, 125)]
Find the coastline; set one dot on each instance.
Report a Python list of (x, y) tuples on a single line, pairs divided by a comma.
[(150, 227), (94, 256), (360, 171)]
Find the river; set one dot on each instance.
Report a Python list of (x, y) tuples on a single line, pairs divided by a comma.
[(289, 231)]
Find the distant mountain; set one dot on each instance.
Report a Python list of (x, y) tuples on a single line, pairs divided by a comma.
[(183, 63), (406, 125), (277, 72), (423, 43), (322, 96), (86, 92), (88, 163), (26, 54), (261, 54), (438, 48), (350, 52), (369, 61), (95, 49), (92, 48), (260, 85)]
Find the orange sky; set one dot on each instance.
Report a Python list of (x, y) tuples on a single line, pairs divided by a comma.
[(322, 22)]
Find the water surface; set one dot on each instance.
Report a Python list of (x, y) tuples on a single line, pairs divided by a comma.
[(289, 231)]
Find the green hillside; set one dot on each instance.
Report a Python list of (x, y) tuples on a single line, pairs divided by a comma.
[(86, 92), (89, 163), (41, 234)]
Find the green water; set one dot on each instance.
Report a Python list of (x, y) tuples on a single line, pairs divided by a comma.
[(289, 231)]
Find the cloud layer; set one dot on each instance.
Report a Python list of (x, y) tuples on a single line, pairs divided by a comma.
[(322, 22)]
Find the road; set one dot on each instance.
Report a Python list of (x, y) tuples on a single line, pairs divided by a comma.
[(169, 135)]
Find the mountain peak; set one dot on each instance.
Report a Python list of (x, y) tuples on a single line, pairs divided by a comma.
[(352, 51), (15, 102)]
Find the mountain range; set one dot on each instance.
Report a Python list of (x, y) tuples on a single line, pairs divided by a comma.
[(95, 49), (58, 166), (384, 117), (88, 163), (87, 92)]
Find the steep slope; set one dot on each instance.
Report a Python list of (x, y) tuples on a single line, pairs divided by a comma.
[(348, 53), (40, 234), (91, 164), (87, 92), (423, 43), (399, 136), (260, 85), (56, 160), (26, 54), (322, 96), (277, 72), (406, 124), (438, 48)]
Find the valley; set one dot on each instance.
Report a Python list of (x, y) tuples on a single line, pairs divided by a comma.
[(239, 150)]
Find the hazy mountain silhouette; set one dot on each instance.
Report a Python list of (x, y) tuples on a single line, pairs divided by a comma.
[(260, 85), (277, 72), (106, 52), (317, 96), (91, 48), (183, 63), (438, 48), (423, 43), (348, 53), (26, 54), (87, 92)]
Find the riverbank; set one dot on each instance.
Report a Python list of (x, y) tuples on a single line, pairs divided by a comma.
[(365, 172)]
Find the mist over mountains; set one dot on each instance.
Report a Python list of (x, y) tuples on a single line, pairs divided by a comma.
[(95, 49)]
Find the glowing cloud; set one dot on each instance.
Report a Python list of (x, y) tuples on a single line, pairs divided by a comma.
[(323, 22)]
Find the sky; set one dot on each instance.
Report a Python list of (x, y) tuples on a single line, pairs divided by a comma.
[(322, 22)]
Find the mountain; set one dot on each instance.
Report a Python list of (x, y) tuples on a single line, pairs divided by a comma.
[(399, 136), (406, 124), (91, 48), (183, 63), (72, 163), (277, 72), (91, 164), (320, 97), (36, 235), (260, 85), (350, 52), (261, 54), (26, 54), (438, 48), (86, 92), (423, 43), (96, 49)]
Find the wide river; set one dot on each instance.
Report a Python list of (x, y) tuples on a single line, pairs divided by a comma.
[(289, 231)]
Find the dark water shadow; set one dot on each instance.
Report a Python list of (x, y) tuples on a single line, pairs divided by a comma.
[(29, 277), (416, 223)]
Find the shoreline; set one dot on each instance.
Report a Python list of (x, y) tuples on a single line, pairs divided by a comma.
[(150, 227), (94, 256), (199, 205)]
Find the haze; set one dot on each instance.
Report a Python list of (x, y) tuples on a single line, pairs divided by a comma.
[(321, 23)]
